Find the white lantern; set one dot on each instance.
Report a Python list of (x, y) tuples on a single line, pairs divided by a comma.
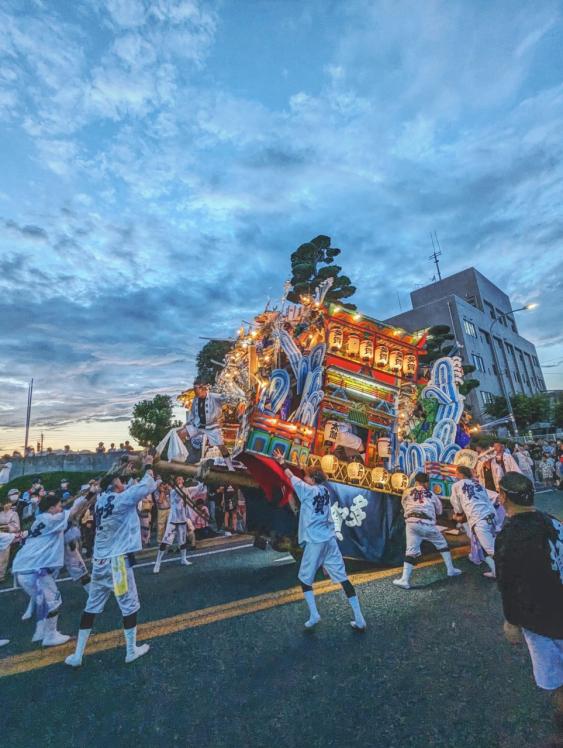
[(335, 338), (356, 471), (381, 355), (379, 476), (329, 464), (399, 481), (366, 350), (384, 447), (409, 365), (353, 345), (396, 360)]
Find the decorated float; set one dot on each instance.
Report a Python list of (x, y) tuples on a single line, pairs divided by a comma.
[(333, 387)]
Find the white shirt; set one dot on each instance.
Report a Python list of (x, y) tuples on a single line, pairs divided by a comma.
[(118, 528), (315, 518), (44, 546), (178, 511), (424, 502), (472, 499), (6, 539)]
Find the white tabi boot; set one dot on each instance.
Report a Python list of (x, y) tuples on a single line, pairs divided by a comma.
[(133, 651), (52, 637)]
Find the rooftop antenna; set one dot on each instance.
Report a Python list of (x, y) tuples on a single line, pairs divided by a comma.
[(436, 253)]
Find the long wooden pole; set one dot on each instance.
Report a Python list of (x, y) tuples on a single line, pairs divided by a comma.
[(165, 468)]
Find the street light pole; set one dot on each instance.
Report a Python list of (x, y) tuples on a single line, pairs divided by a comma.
[(496, 363)]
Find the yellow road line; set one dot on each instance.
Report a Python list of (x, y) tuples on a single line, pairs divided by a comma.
[(37, 659)]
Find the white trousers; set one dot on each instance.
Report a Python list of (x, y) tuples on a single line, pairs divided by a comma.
[(102, 587), (325, 554), (41, 586), (417, 531)]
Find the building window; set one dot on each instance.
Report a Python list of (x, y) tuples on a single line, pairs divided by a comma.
[(501, 317), (536, 362), (486, 336), (478, 362), (471, 300), (487, 397), (490, 309), (469, 328), (512, 324)]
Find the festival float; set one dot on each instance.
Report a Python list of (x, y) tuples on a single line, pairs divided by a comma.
[(333, 387)]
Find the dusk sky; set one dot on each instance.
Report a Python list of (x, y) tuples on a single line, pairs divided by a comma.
[(162, 159)]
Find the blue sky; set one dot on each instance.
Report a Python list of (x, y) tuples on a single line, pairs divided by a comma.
[(161, 160)]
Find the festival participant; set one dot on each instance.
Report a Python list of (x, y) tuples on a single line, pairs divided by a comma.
[(318, 538), (493, 464), (39, 561), (472, 504), (529, 557), (179, 526), (421, 507), (118, 533), (525, 462), (6, 539), (204, 420), (73, 561)]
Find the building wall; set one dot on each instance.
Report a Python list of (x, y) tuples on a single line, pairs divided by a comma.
[(71, 463), (470, 304)]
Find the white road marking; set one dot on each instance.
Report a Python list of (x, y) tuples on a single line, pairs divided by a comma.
[(165, 561), (284, 558)]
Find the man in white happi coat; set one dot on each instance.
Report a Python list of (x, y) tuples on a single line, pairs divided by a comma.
[(318, 538), (493, 465), (472, 504), (39, 561), (118, 534), (179, 525), (421, 507), (205, 420)]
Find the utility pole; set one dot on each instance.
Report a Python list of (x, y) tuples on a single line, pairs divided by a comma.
[(436, 253), (28, 417)]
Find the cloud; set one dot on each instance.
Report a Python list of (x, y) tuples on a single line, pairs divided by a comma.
[(170, 156)]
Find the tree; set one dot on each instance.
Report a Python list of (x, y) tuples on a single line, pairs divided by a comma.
[(558, 414), (306, 273), (152, 420), (527, 409), (209, 359)]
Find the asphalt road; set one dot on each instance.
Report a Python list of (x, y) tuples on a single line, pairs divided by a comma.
[(433, 669)]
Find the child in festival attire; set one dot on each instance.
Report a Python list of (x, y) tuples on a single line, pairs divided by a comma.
[(118, 533), (318, 538), (421, 507)]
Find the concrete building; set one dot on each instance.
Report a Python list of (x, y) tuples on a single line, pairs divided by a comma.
[(479, 314)]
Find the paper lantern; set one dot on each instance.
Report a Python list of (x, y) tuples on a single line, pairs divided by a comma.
[(329, 463), (331, 432), (353, 345), (466, 458), (381, 355), (384, 447), (379, 476), (335, 338), (366, 350), (396, 360), (409, 365), (355, 470), (399, 481)]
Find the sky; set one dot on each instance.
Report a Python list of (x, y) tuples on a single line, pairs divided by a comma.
[(162, 159)]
